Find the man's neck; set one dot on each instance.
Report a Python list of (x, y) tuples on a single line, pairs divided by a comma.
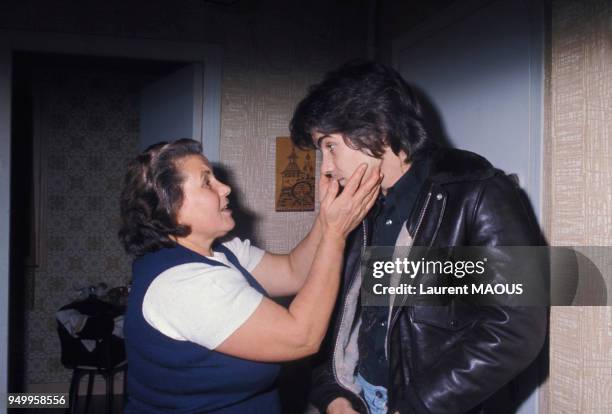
[(393, 167)]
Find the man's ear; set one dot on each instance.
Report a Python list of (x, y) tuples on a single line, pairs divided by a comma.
[(404, 156)]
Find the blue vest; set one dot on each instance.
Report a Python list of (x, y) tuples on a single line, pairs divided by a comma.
[(170, 376)]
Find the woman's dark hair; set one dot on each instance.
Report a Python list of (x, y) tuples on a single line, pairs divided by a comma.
[(152, 195), (370, 105)]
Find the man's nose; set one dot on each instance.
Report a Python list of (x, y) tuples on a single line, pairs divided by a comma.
[(327, 166)]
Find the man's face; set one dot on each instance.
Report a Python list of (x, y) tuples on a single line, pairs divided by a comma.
[(340, 160)]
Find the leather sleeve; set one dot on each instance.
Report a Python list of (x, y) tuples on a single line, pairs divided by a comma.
[(504, 340)]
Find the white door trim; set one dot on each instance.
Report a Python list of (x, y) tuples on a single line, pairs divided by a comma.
[(5, 219)]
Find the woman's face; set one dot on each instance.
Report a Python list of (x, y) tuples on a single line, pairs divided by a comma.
[(205, 204)]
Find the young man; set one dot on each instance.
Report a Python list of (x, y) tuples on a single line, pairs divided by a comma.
[(410, 359)]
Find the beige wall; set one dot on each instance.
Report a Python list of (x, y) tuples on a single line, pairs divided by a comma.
[(578, 196)]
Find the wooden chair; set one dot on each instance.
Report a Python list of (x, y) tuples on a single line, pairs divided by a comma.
[(104, 354)]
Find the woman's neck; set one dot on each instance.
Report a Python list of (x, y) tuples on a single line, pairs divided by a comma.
[(203, 247)]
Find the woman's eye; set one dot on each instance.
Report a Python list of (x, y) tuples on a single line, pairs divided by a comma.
[(330, 147)]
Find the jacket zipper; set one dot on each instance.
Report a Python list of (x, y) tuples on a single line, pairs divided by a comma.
[(364, 225), (365, 235), (416, 231)]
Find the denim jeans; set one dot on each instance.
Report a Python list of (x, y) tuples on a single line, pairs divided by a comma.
[(374, 395)]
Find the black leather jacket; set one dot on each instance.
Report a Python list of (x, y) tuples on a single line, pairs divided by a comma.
[(445, 359)]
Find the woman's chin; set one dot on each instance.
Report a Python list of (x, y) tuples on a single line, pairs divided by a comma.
[(230, 222)]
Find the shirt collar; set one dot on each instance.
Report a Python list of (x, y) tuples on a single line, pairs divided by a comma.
[(403, 193)]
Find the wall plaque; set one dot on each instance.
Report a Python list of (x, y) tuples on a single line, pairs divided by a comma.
[(295, 177)]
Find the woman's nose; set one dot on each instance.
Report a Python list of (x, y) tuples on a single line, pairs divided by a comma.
[(224, 189)]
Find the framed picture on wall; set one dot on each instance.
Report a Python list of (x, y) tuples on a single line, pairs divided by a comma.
[(295, 177)]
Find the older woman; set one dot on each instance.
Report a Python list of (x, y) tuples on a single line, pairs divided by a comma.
[(201, 333)]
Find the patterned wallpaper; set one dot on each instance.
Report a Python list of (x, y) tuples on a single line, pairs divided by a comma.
[(578, 169), (89, 122)]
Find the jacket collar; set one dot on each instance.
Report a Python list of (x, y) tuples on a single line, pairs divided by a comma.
[(448, 165)]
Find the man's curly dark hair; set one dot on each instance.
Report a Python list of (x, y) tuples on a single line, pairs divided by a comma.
[(152, 195), (370, 105)]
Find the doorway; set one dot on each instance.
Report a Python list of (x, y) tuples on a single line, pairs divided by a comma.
[(17, 166), (76, 123)]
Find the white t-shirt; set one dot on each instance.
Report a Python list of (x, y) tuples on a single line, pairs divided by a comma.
[(201, 303)]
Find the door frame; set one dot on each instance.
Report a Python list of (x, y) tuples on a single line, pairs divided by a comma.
[(210, 56)]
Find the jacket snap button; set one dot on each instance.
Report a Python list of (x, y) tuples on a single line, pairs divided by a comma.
[(389, 222), (439, 196), (453, 323)]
